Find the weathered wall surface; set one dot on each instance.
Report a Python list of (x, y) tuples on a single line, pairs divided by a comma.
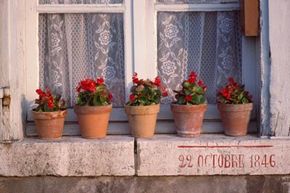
[(3, 43), (205, 184), (279, 33)]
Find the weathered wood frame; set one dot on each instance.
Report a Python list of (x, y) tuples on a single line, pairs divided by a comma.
[(12, 68)]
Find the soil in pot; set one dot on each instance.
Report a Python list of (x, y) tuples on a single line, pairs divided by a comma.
[(49, 125), (142, 120), (188, 119), (93, 120), (235, 118)]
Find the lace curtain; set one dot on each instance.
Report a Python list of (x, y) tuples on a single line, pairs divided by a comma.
[(206, 42), (78, 46)]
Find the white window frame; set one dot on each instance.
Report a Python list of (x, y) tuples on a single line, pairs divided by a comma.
[(140, 33), (145, 41), (32, 59)]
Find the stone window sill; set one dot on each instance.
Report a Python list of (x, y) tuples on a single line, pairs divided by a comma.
[(163, 155), (69, 156)]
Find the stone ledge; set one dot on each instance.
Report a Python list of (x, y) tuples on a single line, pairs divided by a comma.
[(169, 155), (69, 156)]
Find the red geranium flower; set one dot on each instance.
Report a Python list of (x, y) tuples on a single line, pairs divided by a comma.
[(225, 93), (40, 92), (50, 103), (100, 80), (188, 98), (135, 78), (132, 98), (87, 85), (157, 81), (110, 96), (192, 77)]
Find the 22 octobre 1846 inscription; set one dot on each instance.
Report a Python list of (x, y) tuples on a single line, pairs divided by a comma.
[(222, 160)]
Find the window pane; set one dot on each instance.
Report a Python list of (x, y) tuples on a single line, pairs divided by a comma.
[(206, 42), (195, 1), (80, 1), (77, 46)]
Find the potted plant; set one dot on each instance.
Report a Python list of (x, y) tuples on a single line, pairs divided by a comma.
[(235, 106), (93, 108), (49, 115), (143, 106), (189, 108)]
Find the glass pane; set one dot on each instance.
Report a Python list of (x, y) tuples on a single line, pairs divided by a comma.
[(77, 46), (80, 1), (195, 1), (206, 42)]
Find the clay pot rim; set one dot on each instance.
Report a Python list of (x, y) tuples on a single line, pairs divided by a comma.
[(142, 110), (49, 115), (188, 108), (235, 107), (92, 109)]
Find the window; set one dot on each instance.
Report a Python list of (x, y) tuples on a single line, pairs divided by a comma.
[(75, 39)]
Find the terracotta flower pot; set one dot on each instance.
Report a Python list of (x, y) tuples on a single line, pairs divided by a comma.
[(188, 119), (235, 118), (93, 120), (49, 125), (142, 120)]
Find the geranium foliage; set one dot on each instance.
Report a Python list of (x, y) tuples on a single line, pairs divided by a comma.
[(233, 93), (146, 92), (192, 92), (93, 93), (47, 102)]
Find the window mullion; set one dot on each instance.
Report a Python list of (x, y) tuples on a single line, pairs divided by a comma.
[(128, 41), (145, 52)]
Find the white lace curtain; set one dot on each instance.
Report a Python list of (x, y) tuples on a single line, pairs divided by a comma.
[(207, 42), (78, 46)]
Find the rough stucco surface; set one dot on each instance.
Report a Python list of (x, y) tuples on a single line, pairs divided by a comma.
[(279, 23), (204, 184), (70, 156)]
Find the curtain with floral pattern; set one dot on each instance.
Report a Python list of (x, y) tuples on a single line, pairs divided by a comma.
[(78, 46), (207, 42)]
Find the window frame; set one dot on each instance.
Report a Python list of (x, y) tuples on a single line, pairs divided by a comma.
[(140, 45), (149, 10), (34, 9)]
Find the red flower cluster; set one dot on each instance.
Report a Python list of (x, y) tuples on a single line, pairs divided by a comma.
[(233, 93), (192, 91), (89, 85), (46, 97), (132, 97), (146, 91), (163, 91), (110, 97), (135, 78), (157, 81), (225, 93), (93, 92), (229, 89), (188, 98), (192, 77), (100, 81)]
